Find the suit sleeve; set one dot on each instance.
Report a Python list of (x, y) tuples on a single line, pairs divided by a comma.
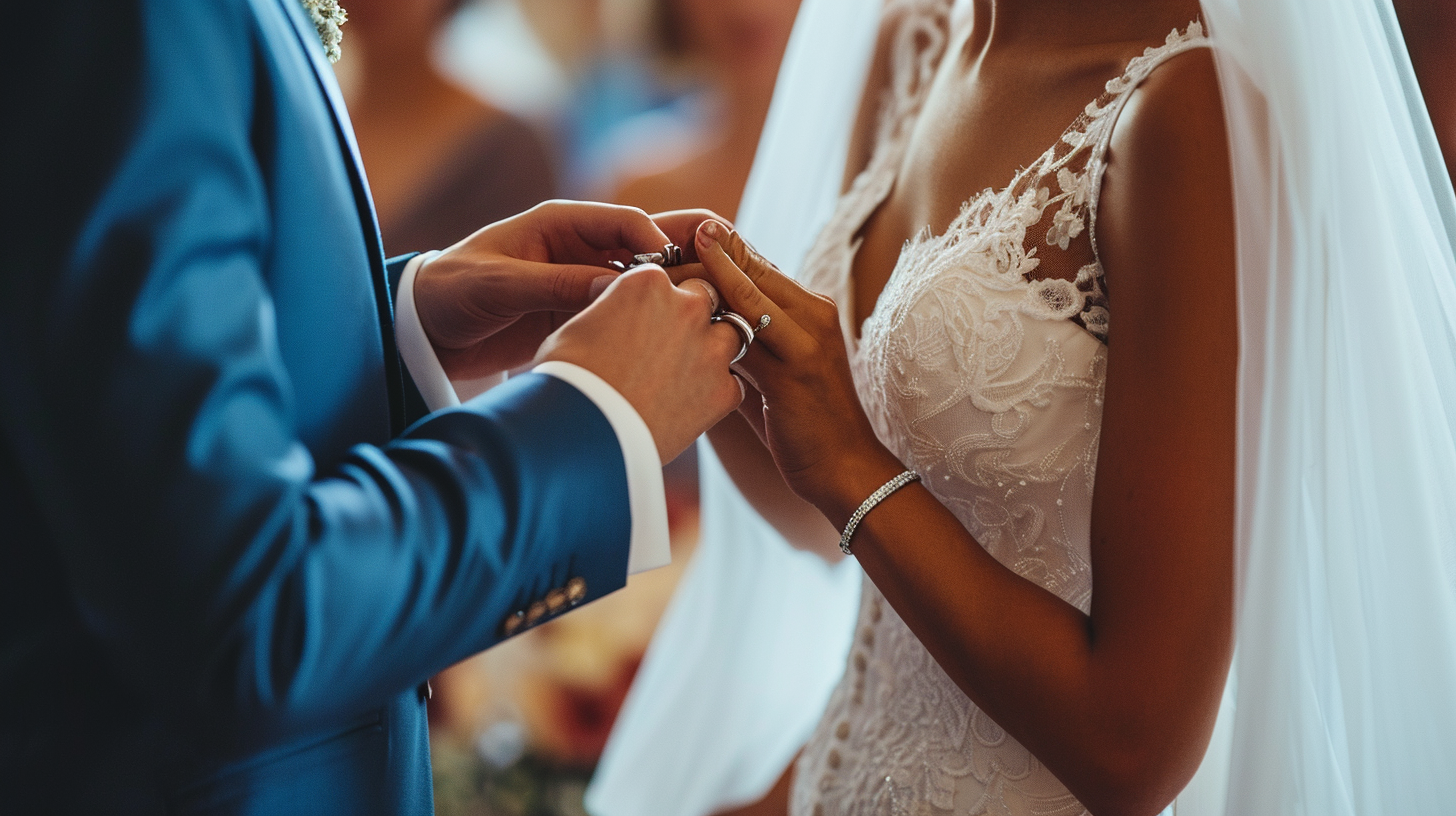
[(144, 392), (649, 544)]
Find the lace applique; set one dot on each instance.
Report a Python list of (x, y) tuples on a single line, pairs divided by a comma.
[(982, 367)]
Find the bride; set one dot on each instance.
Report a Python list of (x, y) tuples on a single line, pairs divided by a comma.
[(1036, 168), (977, 259)]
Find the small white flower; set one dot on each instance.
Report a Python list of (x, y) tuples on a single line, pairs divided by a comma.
[(1096, 320), (1066, 225), (1074, 186), (327, 16)]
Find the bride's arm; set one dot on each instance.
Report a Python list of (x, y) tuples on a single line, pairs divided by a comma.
[(1119, 704), (752, 469)]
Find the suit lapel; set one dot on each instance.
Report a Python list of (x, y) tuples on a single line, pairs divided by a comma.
[(344, 129), (324, 74)]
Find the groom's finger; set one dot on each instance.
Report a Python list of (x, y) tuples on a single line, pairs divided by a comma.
[(682, 225), (707, 289), (526, 286), (595, 230)]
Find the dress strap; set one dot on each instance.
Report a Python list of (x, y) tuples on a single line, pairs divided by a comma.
[(1110, 107)]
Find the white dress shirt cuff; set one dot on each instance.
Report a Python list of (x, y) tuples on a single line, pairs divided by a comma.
[(648, 547), (418, 354), (646, 500)]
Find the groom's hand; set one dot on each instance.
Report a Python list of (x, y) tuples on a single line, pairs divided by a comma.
[(488, 302), (651, 340), (681, 227)]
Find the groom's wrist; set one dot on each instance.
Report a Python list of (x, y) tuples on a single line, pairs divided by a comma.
[(414, 344)]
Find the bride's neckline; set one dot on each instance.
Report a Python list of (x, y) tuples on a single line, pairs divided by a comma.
[(1048, 162)]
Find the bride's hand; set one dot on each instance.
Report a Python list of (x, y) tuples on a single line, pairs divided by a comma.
[(809, 416)]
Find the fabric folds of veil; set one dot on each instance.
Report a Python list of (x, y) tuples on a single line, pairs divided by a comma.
[(755, 638), (1346, 642)]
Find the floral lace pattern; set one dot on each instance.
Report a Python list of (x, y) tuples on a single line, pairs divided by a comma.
[(984, 374)]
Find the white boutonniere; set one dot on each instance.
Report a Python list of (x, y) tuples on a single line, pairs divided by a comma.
[(327, 16)]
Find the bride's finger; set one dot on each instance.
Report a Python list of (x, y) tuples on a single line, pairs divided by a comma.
[(776, 331), (779, 287), (751, 409), (751, 406)]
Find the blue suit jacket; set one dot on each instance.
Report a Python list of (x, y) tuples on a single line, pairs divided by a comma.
[(225, 565)]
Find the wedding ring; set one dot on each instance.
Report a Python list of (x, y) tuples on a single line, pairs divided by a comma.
[(736, 321), (671, 255)]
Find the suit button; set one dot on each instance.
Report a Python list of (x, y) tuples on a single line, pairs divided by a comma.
[(555, 601), (535, 613), (576, 590), (513, 623)]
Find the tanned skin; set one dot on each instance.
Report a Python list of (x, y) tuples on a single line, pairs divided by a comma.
[(1119, 703)]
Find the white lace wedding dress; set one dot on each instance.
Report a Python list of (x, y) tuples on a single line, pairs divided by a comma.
[(982, 368)]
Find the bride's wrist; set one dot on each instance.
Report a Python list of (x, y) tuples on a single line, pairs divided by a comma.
[(852, 481)]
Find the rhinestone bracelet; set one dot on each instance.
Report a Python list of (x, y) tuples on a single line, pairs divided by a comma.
[(869, 504)]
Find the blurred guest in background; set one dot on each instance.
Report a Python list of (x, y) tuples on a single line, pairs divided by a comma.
[(441, 161), (735, 46)]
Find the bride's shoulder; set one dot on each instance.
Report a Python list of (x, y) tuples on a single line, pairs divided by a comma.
[(1166, 204), (1176, 103), (907, 29), (1168, 146)]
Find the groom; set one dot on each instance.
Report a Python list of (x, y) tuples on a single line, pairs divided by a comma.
[(232, 551)]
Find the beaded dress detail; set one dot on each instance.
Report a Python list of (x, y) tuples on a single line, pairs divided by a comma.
[(982, 368)]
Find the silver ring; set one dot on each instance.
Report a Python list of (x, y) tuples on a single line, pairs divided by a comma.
[(671, 255), (744, 328)]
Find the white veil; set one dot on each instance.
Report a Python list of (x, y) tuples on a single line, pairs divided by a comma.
[(1346, 646), (1346, 659), (757, 635)]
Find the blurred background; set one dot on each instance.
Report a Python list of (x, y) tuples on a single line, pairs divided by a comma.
[(468, 111)]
